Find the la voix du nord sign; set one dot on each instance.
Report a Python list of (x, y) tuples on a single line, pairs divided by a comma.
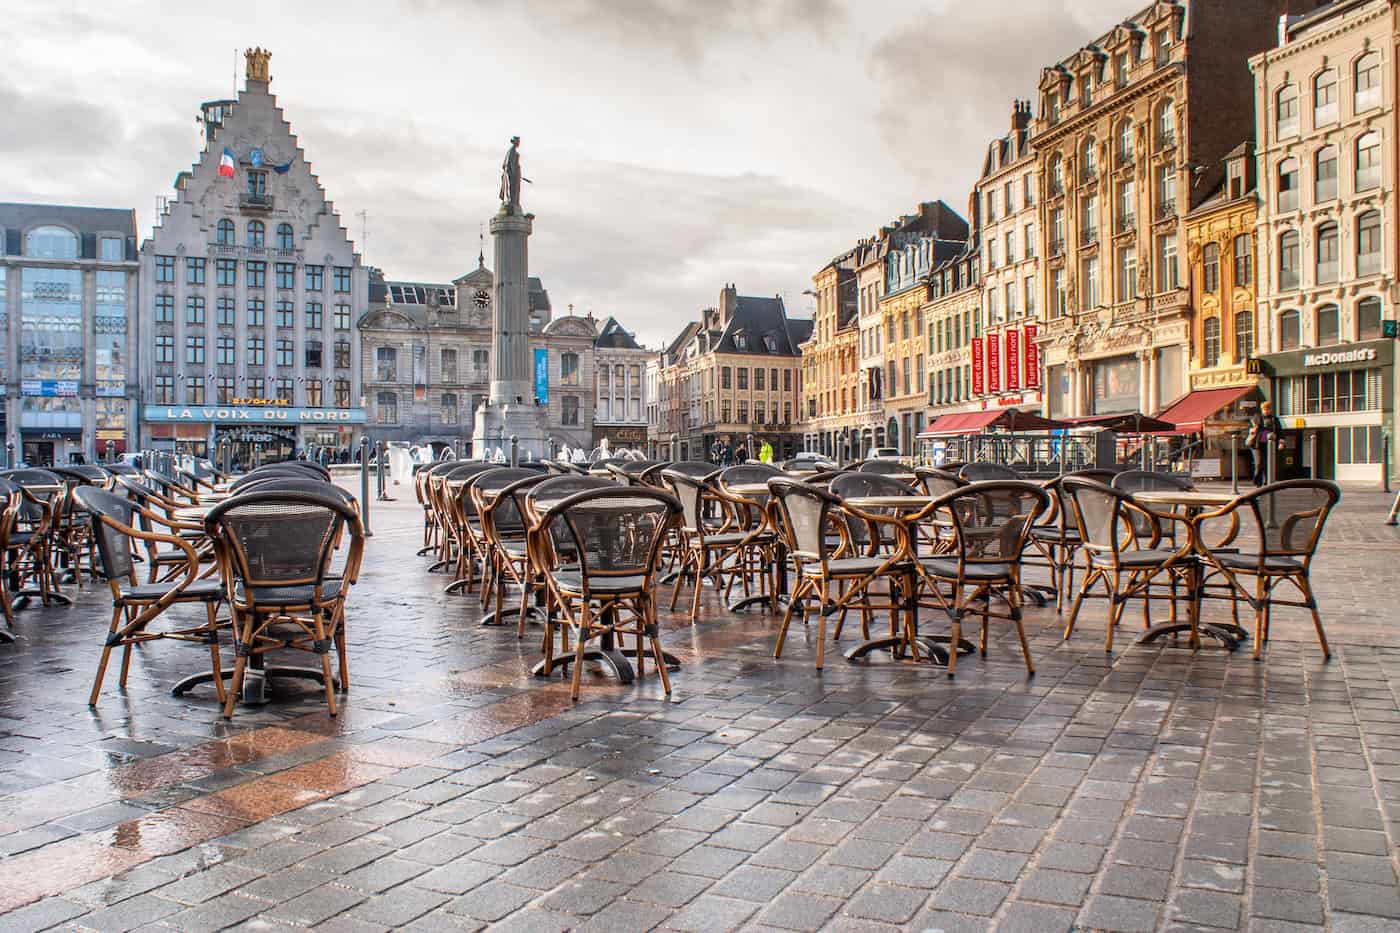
[(237, 414)]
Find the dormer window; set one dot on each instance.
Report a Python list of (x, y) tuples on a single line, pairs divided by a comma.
[(770, 343), (741, 342)]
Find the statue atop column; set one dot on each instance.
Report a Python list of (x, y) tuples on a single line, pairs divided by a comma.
[(510, 178)]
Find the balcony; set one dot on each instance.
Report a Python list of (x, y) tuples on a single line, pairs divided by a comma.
[(1088, 174), (1127, 223), (1057, 248), (255, 202), (1126, 158), (1166, 141), (1166, 210), (1055, 188), (1088, 236)]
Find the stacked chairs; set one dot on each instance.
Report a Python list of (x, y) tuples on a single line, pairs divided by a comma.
[(709, 536), (164, 563), (33, 538), (505, 559), (73, 545), (10, 546), (439, 501), (462, 524), (752, 561)]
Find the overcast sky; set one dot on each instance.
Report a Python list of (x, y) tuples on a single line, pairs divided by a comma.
[(674, 145)]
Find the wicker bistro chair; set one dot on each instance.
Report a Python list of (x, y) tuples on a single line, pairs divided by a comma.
[(9, 547), (984, 472), (505, 557), (116, 522), (1135, 481), (432, 519), (991, 523), (754, 557), (634, 472), (710, 542), (43, 498), (165, 563), (1116, 556), (870, 532), (1282, 524), (886, 468), (73, 545), (275, 555), (615, 535), (465, 547), (825, 561)]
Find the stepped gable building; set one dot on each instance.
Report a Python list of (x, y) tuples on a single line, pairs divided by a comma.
[(733, 377), (621, 404), (67, 305), (1324, 98), (1132, 136), (426, 349), (250, 289)]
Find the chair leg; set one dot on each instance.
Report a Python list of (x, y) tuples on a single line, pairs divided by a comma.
[(1306, 587), (342, 656), (240, 667), (1261, 605), (524, 606), (1084, 586), (1115, 611), (584, 622), (821, 640), (212, 611), (649, 614), (126, 665), (680, 580), (956, 632), (695, 597), (319, 619), (797, 597), (106, 656)]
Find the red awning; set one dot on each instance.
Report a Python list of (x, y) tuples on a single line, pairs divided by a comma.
[(975, 422), (1189, 412), (1133, 423)]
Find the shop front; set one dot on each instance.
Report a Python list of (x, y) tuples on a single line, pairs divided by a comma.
[(1340, 401), (618, 436), (249, 434)]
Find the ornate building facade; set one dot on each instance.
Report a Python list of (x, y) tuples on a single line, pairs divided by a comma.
[(622, 405), (831, 378)]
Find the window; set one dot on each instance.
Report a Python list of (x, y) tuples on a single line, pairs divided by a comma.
[(315, 278), (1166, 190), (1089, 279), (1010, 247), (724, 377), (285, 236), (194, 270), (1325, 174), (285, 392), (1210, 342), (569, 406), (568, 369), (1286, 112), (386, 408), (225, 350), (1166, 125), (257, 274), (1088, 159), (165, 309), (257, 312), (1368, 243), (1368, 319), (224, 232), (286, 313), (1028, 189), (257, 351), (287, 275), (1244, 260), (1057, 293), (1244, 335), (257, 186), (993, 313), (481, 363), (286, 353), (313, 354), (224, 310), (1052, 109), (313, 393), (165, 390), (1329, 326), (387, 368), (906, 376), (758, 378), (342, 354), (1210, 272), (1162, 46), (1288, 260), (194, 309), (1327, 265), (1008, 197), (1089, 223), (257, 234), (787, 380), (991, 206), (447, 366), (226, 272), (342, 393), (1288, 185), (342, 317), (1368, 162), (1368, 82), (194, 348), (1056, 181), (1030, 296), (1325, 98), (919, 369), (313, 315), (342, 278), (991, 257), (743, 373), (1124, 142), (1028, 240), (165, 348), (1167, 278), (1289, 330), (1010, 300), (194, 391), (165, 265), (1127, 205), (1057, 231), (1120, 69), (447, 408)]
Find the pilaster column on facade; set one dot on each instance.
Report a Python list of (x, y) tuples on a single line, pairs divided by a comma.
[(1144, 380), (1153, 380), (1076, 387)]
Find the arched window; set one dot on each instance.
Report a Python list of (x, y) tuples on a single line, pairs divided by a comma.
[(386, 408), (1325, 98), (225, 234), (1125, 142), (1367, 89), (1288, 184), (1327, 266), (1244, 260), (1089, 159), (285, 238), (51, 243), (1057, 175), (1244, 335), (1210, 270), (1288, 260), (1368, 162), (1166, 125), (1288, 330), (256, 233), (1368, 243), (1325, 174), (1329, 326), (1210, 342), (1286, 112), (1368, 318)]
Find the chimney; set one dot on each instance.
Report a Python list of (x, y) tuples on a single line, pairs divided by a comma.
[(1020, 116), (728, 304)]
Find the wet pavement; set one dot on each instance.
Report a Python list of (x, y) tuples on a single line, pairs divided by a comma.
[(1157, 788)]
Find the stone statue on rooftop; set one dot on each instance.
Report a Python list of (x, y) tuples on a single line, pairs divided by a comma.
[(511, 178)]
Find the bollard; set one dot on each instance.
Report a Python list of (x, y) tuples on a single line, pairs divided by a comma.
[(1385, 468), (382, 471), (1270, 466), (364, 485), (1234, 463), (10, 455), (515, 450), (1312, 455)]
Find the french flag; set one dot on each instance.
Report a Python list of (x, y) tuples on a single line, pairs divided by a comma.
[(226, 163)]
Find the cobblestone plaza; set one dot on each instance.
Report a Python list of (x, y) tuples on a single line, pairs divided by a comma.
[(1157, 788)]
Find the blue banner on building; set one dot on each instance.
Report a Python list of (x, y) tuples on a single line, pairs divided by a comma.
[(49, 388), (542, 375)]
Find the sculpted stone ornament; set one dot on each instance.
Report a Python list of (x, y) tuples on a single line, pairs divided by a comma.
[(256, 60), (511, 178)]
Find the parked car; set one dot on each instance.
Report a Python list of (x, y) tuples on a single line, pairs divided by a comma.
[(884, 453)]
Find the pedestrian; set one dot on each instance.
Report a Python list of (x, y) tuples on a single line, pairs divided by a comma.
[(765, 453), (1265, 431), (741, 455)]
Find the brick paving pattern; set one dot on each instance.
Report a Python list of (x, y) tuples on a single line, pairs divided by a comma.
[(1157, 788)]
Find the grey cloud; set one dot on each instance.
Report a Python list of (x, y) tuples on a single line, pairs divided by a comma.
[(54, 126)]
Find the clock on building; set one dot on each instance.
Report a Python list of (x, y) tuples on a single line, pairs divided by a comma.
[(481, 298)]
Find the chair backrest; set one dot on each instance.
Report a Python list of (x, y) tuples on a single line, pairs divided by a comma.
[(696, 468), (809, 465), (281, 539), (30, 477), (1098, 513), (485, 488), (540, 498), (293, 483), (1288, 516), (632, 471), (122, 469), (983, 472), (690, 492), (505, 517), (615, 531), (564, 468), (83, 474), (806, 511), (857, 484), (1097, 474), (311, 466), (1147, 481), (884, 468), (114, 517), (747, 474), (992, 520), (938, 482)]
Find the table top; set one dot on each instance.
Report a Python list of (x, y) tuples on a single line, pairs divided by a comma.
[(1192, 497), (747, 489), (907, 503)]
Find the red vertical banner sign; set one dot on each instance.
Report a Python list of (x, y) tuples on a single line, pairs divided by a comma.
[(1032, 358), (978, 386), (993, 363), (1013, 359)]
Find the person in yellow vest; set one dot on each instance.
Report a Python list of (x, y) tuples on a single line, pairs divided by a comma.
[(765, 453)]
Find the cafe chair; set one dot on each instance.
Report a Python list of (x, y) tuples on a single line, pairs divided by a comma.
[(505, 555), (707, 536), (1282, 523), (9, 547), (885, 468), (116, 522), (755, 555), (991, 525), (43, 496), (985, 472), (1117, 557), (164, 563), (613, 537), (275, 553), (869, 532)]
